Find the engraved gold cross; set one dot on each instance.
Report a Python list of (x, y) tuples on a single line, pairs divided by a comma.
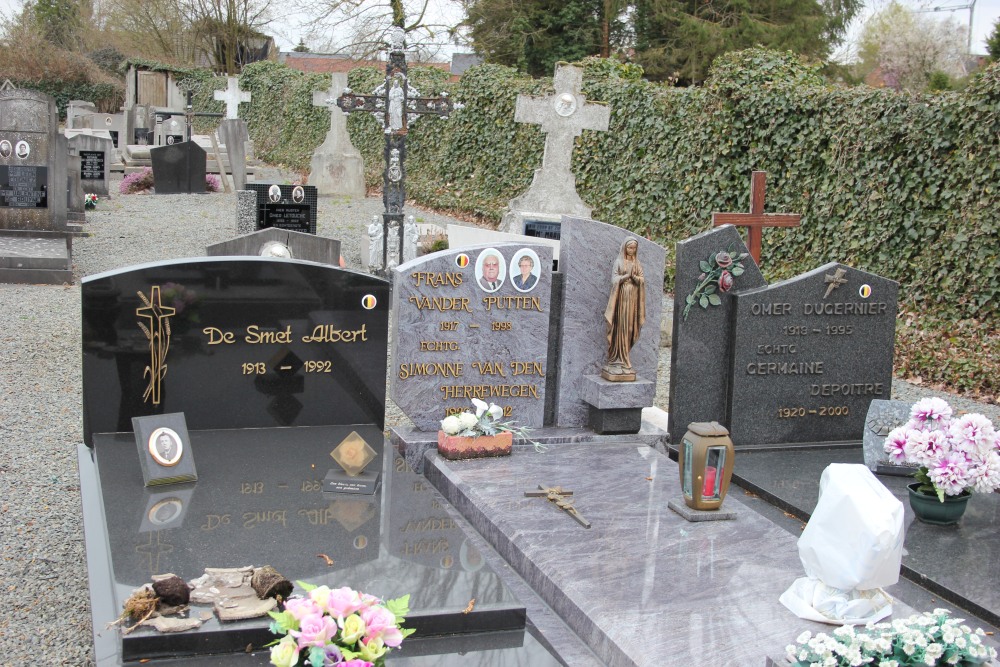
[(158, 334)]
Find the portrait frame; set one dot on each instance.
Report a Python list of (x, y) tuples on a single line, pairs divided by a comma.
[(274, 193), (22, 149), (298, 194), (153, 445), (160, 467), (515, 269), (502, 269), (6, 148), (166, 509)]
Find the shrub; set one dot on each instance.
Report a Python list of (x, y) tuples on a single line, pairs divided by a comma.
[(212, 183), (140, 181)]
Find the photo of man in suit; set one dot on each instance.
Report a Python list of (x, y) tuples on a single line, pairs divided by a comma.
[(490, 280), (165, 447)]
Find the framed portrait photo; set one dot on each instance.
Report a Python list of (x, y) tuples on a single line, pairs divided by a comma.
[(165, 452)]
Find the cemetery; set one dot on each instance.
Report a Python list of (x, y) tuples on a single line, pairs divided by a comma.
[(602, 425)]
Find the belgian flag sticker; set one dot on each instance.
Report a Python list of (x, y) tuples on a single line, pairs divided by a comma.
[(462, 260), (369, 301), (865, 291)]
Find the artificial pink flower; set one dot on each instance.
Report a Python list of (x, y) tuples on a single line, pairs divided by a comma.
[(725, 281), (950, 473), (930, 412), (343, 602), (301, 608), (380, 623), (315, 630), (895, 445), (976, 430)]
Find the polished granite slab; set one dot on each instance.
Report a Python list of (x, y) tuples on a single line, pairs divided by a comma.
[(642, 586), (252, 507), (959, 563)]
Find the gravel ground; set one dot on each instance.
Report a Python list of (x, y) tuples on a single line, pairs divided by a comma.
[(43, 576)]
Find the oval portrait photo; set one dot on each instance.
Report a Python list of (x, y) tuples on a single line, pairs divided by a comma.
[(491, 270), (22, 149), (165, 511), (298, 194), (5, 148), (165, 447), (274, 193), (525, 270)]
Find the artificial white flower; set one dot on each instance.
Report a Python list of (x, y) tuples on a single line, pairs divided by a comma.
[(495, 411), (467, 420), (481, 407), (451, 425)]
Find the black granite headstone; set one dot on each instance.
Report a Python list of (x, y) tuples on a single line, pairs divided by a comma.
[(23, 187), (699, 353), (234, 343), (290, 207), (92, 165), (542, 229), (809, 355), (179, 168)]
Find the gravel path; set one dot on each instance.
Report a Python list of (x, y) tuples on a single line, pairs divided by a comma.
[(43, 576)]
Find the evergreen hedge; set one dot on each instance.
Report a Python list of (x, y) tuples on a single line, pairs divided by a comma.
[(902, 185)]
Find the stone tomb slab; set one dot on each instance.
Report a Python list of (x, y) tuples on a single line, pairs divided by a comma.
[(956, 563), (809, 355), (290, 207), (302, 246), (699, 351), (259, 492), (464, 341), (240, 343), (588, 249), (179, 168), (641, 567), (33, 258)]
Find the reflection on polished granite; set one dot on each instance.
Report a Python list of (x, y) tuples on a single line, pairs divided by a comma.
[(642, 586), (960, 563)]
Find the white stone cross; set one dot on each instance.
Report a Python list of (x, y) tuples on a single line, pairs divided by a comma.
[(563, 116), (232, 96), (328, 98)]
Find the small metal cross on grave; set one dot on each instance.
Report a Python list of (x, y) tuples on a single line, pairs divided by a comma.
[(558, 495), (834, 281), (395, 104), (157, 331), (756, 219), (232, 96)]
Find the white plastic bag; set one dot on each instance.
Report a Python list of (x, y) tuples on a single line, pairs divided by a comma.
[(851, 548)]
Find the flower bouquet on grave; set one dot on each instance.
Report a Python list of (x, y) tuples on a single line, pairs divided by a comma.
[(90, 200), (922, 639), (718, 274), (337, 628), (956, 457), (469, 435)]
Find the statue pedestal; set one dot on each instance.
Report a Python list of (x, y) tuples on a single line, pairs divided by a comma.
[(616, 407)]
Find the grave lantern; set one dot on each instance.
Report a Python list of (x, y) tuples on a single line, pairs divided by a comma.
[(705, 459)]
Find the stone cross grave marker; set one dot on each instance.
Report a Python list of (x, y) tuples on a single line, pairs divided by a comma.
[(232, 96), (458, 339), (395, 104), (756, 219), (337, 167), (563, 116)]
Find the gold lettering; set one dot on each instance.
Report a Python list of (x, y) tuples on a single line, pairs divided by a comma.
[(489, 368), (217, 336), (256, 336), (512, 303), (328, 333), (484, 391), (441, 303), (526, 368), (433, 279), (213, 521), (439, 346), (448, 369)]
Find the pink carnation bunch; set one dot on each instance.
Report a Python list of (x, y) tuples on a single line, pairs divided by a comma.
[(955, 456), (337, 628)]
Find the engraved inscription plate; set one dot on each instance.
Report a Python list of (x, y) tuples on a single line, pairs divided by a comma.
[(23, 187), (92, 165)]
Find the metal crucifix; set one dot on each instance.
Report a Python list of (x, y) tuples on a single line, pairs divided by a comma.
[(558, 495), (396, 104)]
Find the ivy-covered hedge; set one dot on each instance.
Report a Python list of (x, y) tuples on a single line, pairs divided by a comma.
[(902, 185), (107, 96)]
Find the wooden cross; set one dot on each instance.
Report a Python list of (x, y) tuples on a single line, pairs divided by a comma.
[(232, 96), (756, 219), (558, 495)]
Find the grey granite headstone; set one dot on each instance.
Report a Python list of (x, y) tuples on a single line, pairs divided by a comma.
[(883, 416), (588, 250), (234, 134), (75, 109), (74, 188), (114, 124), (32, 163), (246, 211), (563, 117), (809, 355), (337, 167), (262, 244), (179, 169), (699, 351), (95, 162), (456, 340)]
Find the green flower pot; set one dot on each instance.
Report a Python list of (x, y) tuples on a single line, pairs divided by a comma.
[(929, 509)]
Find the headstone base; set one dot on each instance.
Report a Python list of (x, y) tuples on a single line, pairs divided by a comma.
[(619, 421), (246, 212), (694, 515), (27, 259)]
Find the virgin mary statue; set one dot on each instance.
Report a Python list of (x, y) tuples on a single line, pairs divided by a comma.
[(626, 312)]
